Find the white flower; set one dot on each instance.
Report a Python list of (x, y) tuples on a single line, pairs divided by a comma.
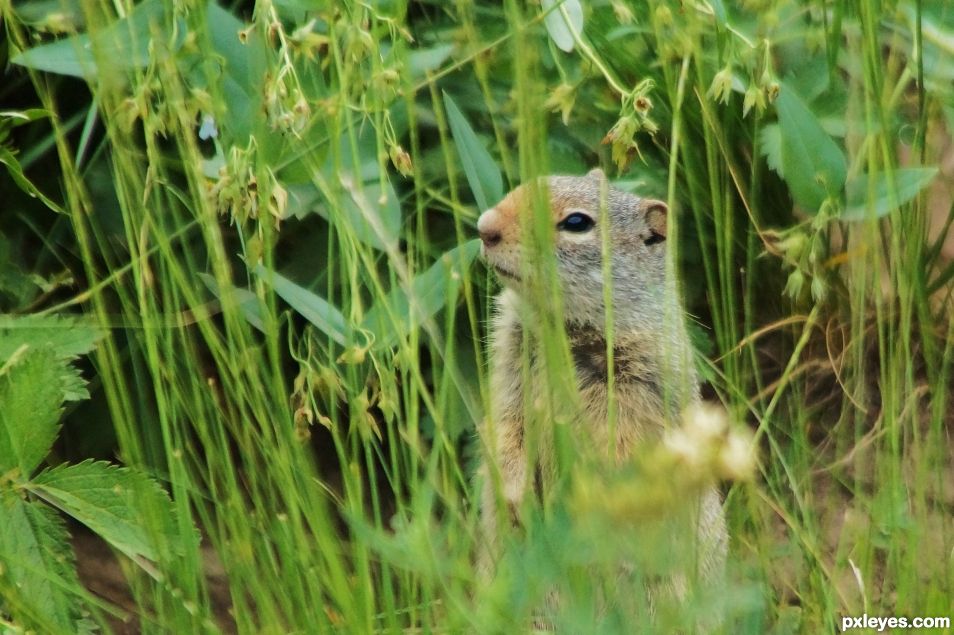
[(705, 423), (737, 457), (685, 449)]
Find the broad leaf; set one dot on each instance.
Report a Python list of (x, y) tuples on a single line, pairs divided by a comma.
[(718, 10), (36, 12), (39, 581), (301, 5), (374, 216), (247, 301), (480, 169), (561, 31), (395, 315), (244, 71), (907, 183), (125, 44), (119, 504), (424, 60), (31, 396), (812, 163), (309, 305)]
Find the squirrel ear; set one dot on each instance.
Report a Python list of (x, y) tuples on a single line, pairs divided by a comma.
[(656, 216), (596, 174)]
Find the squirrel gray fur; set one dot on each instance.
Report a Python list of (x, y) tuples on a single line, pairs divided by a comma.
[(652, 359)]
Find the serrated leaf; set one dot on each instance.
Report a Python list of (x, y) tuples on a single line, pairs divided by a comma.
[(812, 164), (38, 586), (561, 28), (74, 386), (125, 43), (481, 171), (116, 503), (309, 305), (907, 183), (770, 145), (68, 336), (31, 396), (394, 316)]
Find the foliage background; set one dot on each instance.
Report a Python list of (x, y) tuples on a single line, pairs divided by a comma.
[(268, 208)]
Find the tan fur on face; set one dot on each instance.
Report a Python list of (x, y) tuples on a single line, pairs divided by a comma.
[(509, 218)]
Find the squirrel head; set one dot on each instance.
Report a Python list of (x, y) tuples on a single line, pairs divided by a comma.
[(637, 234)]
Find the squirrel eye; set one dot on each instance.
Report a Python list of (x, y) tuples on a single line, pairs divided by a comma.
[(576, 222)]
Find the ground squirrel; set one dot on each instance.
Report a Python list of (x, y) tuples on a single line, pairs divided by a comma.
[(654, 374)]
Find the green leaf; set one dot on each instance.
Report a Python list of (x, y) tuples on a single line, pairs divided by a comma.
[(21, 117), (561, 31), (770, 145), (358, 158), (423, 60), (74, 386), (907, 183), (809, 80), (39, 585), (303, 199), (69, 337), (31, 396), (36, 12), (702, 341), (812, 163), (480, 169), (936, 22), (719, 12), (247, 301), (14, 282), (301, 5), (309, 305), (374, 216), (16, 173), (125, 507), (243, 75), (124, 44), (395, 315)]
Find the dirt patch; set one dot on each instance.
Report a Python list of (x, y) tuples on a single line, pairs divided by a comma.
[(102, 574)]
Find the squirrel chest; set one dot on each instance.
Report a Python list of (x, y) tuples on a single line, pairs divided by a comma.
[(518, 378)]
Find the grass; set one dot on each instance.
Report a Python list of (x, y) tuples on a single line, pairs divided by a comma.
[(292, 354)]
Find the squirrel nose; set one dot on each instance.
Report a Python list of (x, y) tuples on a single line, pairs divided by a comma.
[(486, 229), (490, 237)]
